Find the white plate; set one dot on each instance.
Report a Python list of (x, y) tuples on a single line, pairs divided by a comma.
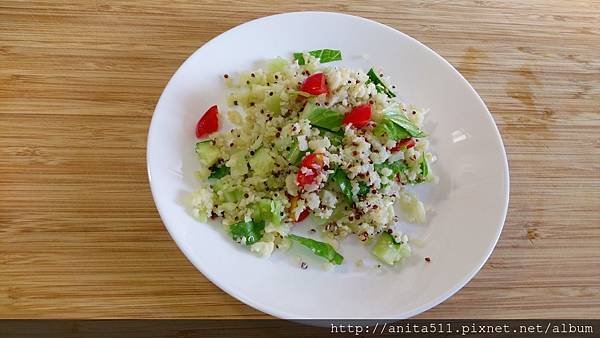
[(469, 203)]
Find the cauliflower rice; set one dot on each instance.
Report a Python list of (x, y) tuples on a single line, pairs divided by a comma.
[(290, 155)]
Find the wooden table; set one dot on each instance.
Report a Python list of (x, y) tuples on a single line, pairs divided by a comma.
[(80, 236)]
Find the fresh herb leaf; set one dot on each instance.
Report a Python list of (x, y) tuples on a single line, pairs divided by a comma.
[(363, 188), (251, 231), (324, 55), (390, 129), (327, 55), (326, 118), (379, 85), (396, 116), (343, 182), (321, 249), (219, 171), (397, 126)]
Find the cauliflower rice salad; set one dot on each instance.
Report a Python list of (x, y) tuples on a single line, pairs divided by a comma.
[(329, 143)]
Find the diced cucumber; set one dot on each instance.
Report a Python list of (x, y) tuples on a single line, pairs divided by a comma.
[(388, 251), (295, 155), (207, 152), (268, 210), (232, 195), (262, 163), (229, 194)]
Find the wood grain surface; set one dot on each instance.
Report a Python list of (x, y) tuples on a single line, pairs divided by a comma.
[(79, 233)]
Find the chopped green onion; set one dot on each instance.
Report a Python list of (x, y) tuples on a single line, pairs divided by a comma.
[(379, 85), (219, 171), (321, 249)]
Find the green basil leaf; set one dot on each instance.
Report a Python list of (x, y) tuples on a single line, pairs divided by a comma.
[(390, 129), (324, 55), (321, 249), (343, 182), (326, 118), (396, 116)]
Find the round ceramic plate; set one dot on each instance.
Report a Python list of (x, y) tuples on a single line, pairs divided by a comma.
[(468, 205)]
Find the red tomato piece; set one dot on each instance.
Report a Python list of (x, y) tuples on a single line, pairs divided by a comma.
[(312, 161), (406, 143), (208, 123), (315, 84), (305, 178), (302, 215), (359, 116)]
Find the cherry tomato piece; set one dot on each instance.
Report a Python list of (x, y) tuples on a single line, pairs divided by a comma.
[(312, 161), (302, 215), (359, 116), (208, 123), (305, 178), (315, 84)]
